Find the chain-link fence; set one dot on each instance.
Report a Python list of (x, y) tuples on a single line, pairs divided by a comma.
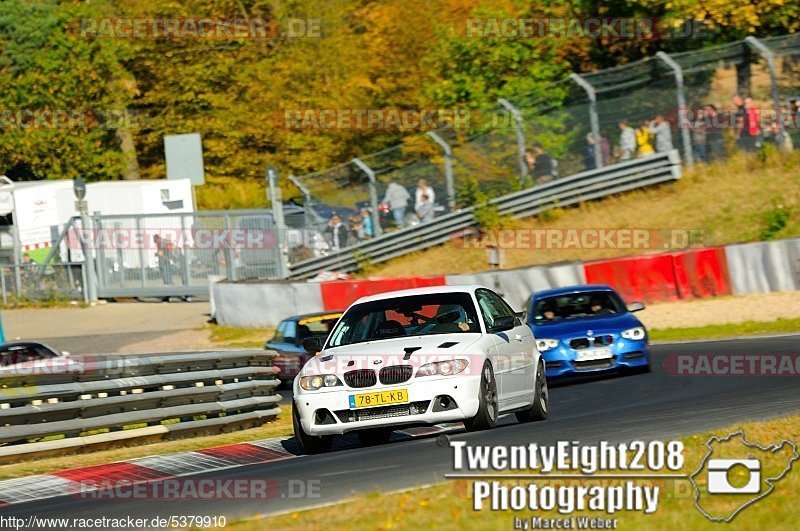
[(32, 281), (683, 101)]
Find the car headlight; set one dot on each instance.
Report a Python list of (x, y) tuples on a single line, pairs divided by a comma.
[(634, 333), (445, 368), (312, 383), (543, 345)]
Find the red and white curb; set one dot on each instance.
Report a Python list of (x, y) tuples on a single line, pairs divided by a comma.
[(79, 481)]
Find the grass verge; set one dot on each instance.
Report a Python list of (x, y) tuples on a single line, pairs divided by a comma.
[(235, 336), (716, 331), (280, 427), (449, 505)]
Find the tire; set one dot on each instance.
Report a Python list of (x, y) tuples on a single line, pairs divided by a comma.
[(309, 444), (374, 436), (486, 417), (541, 399)]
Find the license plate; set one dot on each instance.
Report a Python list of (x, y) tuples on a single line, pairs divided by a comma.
[(594, 354), (381, 398)]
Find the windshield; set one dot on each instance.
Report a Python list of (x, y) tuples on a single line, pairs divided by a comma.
[(419, 315), (574, 305)]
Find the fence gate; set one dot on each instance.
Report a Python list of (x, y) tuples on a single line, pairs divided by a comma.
[(162, 255)]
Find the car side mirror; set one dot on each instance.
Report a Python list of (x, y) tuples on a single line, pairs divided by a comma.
[(501, 324), (312, 345), (635, 306)]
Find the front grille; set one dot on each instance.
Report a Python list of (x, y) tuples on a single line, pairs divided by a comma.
[(384, 412), (360, 378), (593, 364), (590, 342), (395, 374)]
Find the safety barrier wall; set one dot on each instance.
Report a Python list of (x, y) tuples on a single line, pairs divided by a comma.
[(257, 304), (762, 267), (339, 294), (695, 273), (516, 285)]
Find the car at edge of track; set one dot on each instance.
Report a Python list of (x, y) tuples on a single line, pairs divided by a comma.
[(419, 357), (289, 336), (588, 329)]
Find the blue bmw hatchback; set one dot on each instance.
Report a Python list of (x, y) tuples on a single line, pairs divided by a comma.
[(587, 329)]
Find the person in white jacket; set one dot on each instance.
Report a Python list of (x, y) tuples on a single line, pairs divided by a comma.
[(397, 198), (423, 189)]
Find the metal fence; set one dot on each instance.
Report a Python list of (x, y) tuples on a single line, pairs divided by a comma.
[(577, 121), (153, 255), (591, 184)]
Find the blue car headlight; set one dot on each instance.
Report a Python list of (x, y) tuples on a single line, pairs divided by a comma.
[(634, 334), (544, 345)]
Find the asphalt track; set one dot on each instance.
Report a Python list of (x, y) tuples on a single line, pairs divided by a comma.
[(647, 406)]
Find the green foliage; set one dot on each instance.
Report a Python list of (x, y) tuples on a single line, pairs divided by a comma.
[(411, 54), (774, 220)]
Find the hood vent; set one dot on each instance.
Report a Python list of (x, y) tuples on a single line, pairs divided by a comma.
[(448, 344)]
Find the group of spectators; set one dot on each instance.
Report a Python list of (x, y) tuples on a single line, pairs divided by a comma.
[(749, 134), (396, 201)]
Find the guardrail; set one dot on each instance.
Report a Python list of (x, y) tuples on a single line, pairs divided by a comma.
[(46, 409), (584, 186)]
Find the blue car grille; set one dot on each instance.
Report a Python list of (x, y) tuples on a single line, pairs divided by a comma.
[(591, 342)]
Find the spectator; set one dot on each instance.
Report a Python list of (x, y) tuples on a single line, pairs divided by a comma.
[(605, 149), (752, 124), (425, 209), (423, 189), (337, 232), (780, 140), (715, 143), (588, 153), (164, 256), (659, 127), (530, 161), (365, 230), (644, 140), (627, 141), (698, 128), (397, 198), (544, 165), (740, 124)]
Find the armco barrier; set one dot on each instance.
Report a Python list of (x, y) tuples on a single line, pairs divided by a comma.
[(130, 398), (701, 273), (516, 285), (638, 278), (762, 267), (339, 294)]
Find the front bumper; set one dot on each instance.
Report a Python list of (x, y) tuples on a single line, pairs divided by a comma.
[(328, 411), (564, 361)]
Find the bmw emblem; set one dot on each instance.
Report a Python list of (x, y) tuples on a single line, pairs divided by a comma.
[(589, 333)]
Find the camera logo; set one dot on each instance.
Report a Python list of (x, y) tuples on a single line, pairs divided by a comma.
[(735, 474), (720, 472)]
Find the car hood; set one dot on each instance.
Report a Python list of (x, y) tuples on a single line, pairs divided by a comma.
[(580, 325), (386, 352)]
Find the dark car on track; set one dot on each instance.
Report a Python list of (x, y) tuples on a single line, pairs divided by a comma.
[(289, 336), (587, 330)]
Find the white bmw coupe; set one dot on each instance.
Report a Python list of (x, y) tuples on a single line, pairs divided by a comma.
[(418, 357)]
